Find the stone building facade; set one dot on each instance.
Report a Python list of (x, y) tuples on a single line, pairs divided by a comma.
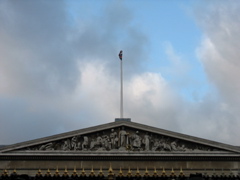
[(121, 147)]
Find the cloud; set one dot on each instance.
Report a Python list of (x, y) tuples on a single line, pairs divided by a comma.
[(36, 54), (148, 98), (59, 70), (46, 49), (219, 54)]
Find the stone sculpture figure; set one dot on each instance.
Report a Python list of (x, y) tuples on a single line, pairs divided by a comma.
[(66, 145), (74, 144), (113, 139), (136, 140), (98, 141), (123, 138), (182, 148), (156, 144), (146, 141), (174, 145), (85, 143), (165, 145), (92, 144), (48, 146), (105, 141)]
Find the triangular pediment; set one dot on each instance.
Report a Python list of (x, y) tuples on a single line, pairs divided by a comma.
[(121, 137)]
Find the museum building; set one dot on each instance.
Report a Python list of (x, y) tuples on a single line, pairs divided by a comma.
[(120, 150)]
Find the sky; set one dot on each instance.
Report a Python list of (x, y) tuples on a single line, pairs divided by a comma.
[(60, 71)]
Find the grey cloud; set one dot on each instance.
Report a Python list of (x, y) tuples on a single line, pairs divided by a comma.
[(36, 49), (109, 33), (42, 58), (219, 54), (42, 45), (220, 49), (43, 90), (19, 123)]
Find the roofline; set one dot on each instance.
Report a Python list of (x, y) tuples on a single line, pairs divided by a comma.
[(120, 123)]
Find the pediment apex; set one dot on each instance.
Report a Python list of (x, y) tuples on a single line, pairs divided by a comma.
[(121, 136)]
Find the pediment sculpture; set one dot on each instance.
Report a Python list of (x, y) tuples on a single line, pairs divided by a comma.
[(121, 138)]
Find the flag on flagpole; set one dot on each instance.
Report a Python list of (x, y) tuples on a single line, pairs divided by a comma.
[(120, 55)]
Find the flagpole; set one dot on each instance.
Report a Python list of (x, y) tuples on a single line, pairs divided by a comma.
[(121, 91)]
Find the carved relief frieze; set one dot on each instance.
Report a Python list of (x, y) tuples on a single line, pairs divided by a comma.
[(122, 139)]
